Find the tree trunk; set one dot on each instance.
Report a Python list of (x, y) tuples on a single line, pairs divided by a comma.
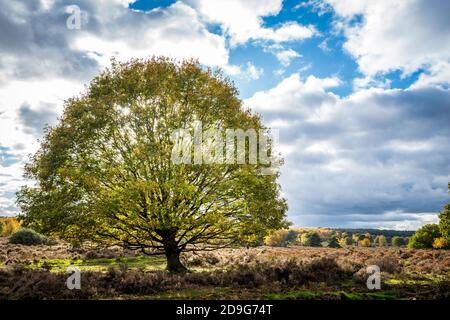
[(172, 251), (173, 261)]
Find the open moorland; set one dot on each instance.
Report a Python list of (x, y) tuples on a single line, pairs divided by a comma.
[(40, 272)]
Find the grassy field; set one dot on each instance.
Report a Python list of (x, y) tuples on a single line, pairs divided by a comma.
[(38, 272)]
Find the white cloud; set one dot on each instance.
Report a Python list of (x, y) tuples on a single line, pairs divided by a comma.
[(387, 35), (242, 20), (286, 56), (175, 31), (253, 72)]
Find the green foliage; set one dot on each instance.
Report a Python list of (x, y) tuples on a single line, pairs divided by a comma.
[(27, 237), (1, 227), (333, 242), (424, 237), (310, 239), (398, 241), (279, 238), (444, 224), (345, 241), (356, 237), (105, 172), (291, 236)]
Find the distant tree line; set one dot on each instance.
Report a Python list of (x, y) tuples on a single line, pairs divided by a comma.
[(337, 238), (435, 236)]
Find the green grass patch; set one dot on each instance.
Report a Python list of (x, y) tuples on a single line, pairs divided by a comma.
[(293, 295), (103, 264), (146, 263), (382, 295)]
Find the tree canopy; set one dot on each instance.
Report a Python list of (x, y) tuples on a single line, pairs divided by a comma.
[(424, 237), (105, 172), (310, 239), (444, 223)]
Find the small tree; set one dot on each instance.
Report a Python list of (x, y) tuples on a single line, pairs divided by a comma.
[(424, 237), (345, 241), (1, 228), (333, 242), (356, 237), (277, 239), (398, 241), (291, 237), (380, 241), (310, 239), (365, 243)]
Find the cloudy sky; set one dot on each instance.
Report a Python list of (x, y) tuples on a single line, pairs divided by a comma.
[(359, 90)]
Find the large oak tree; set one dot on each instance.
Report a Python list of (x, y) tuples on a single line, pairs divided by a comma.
[(104, 173)]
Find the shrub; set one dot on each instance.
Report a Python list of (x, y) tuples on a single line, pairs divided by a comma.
[(345, 241), (365, 242), (1, 227), (10, 225), (277, 239), (27, 237), (333, 242), (356, 237), (398, 241), (381, 241), (424, 237), (310, 239)]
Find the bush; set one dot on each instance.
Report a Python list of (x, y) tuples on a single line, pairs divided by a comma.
[(10, 225), (310, 239), (365, 243), (1, 227), (424, 237), (333, 242), (381, 241), (345, 241), (27, 237), (278, 238), (398, 241)]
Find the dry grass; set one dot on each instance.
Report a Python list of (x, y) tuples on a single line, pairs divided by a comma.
[(296, 272)]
